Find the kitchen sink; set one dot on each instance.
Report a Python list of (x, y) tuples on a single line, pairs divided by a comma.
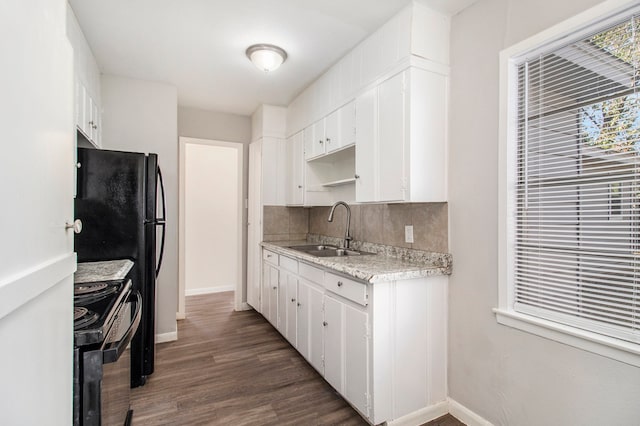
[(328, 251)]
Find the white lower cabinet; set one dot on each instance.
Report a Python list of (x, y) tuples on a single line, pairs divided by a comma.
[(382, 346), (356, 358), (334, 343), (270, 277)]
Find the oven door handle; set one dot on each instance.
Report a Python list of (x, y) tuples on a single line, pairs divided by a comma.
[(111, 354)]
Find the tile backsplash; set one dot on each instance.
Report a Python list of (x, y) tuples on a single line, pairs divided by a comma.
[(374, 223)]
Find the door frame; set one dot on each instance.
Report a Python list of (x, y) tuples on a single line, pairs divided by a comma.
[(239, 290)]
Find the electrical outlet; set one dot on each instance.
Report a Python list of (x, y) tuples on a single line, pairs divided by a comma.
[(408, 234)]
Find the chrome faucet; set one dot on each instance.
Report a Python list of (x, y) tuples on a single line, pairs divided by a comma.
[(347, 237)]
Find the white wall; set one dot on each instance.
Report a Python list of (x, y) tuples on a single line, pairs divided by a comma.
[(507, 376), (211, 218), (197, 123), (141, 116)]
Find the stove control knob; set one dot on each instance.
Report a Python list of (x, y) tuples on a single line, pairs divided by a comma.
[(76, 226)]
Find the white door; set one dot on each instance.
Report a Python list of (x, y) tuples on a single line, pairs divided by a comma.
[(366, 157), (333, 342), (254, 227), (356, 357), (36, 180), (392, 138)]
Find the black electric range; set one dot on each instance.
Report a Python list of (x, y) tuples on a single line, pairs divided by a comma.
[(106, 316)]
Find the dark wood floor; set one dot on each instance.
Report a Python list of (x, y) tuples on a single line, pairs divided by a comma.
[(233, 368)]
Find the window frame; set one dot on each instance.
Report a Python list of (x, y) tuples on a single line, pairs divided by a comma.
[(601, 16)]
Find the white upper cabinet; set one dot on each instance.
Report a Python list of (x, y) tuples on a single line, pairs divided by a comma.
[(274, 169), (401, 139), (295, 170), (314, 140), (87, 83), (416, 36), (366, 146)]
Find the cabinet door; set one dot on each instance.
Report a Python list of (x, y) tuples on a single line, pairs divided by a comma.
[(272, 299), (315, 329), (333, 342), (273, 171), (282, 302), (392, 138), (356, 358), (309, 143), (303, 319), (295, 169), (331, 132), (319, 135), (366, 122), (291, 304), (93, 123), (347, 124)]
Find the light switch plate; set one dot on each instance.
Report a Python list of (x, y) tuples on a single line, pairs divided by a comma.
[(408, 234)]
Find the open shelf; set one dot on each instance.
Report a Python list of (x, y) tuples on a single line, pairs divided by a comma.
[(339, 182)]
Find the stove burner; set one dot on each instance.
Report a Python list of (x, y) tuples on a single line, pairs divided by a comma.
[(90, 288), (83, 317), (84, 294), (79, 313)]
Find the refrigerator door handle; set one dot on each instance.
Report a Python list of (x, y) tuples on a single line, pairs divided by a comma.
[(161, 221)]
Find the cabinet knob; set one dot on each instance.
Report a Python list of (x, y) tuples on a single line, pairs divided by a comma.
[(324, 323), (293, 300), (268, 256), (94, 126), (328, 140), (339, 283), (356, 176), (299, 304), (275, 288), (78, 165), (300, 186), (320, 142)]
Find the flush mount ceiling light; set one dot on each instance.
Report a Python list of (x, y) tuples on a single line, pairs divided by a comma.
[(266, 57)]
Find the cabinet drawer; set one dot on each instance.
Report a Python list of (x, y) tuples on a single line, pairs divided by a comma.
[(311, 273), (289, 264), (349, 289), (269, 256)]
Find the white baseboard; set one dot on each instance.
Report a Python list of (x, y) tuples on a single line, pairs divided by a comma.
[(208, 290), (244, 306), (465, 415), (421, 416), (180, 315), (167, 337)]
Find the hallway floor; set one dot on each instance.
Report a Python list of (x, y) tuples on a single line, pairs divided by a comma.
[(234, 368)]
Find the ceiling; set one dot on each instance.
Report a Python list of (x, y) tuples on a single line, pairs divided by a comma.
[(198, 45)]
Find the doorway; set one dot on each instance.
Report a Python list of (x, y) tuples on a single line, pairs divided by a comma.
[(210, 250)]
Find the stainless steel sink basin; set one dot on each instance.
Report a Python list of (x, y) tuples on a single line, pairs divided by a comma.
[(328, 251), (313, 247)]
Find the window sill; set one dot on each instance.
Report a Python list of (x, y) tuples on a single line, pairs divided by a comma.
[(619, 350)]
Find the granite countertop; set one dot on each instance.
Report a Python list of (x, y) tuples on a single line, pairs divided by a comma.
[(108, 270), (388, 264)]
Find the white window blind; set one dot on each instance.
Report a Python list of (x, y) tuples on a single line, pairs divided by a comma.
[(577, 227)]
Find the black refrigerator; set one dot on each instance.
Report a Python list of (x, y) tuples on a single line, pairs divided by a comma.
[(120, 200)]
